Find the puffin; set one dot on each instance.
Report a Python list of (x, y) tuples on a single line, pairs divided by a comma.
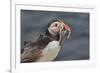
[(47, 45)]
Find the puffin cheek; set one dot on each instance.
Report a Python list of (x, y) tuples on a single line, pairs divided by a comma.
[(56, 29)]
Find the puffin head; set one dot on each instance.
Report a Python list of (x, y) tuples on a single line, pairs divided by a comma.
[(58, 29)]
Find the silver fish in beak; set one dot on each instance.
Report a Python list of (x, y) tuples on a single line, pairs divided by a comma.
[(65, 32)]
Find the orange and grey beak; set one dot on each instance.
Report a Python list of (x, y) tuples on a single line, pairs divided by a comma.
[(65, 33), (67, 30), (66, 27)]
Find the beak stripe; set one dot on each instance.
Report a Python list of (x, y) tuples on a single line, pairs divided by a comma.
[(67, 27)]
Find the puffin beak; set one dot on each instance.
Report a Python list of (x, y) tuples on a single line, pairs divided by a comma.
[(65, 32), (66, 27)]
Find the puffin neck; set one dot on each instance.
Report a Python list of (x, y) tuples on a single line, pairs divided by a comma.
[(56, 37)]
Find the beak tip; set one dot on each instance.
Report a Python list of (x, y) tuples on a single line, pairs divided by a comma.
[(66, 27)]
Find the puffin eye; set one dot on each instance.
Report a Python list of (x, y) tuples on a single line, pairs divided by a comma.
[(56, 24)]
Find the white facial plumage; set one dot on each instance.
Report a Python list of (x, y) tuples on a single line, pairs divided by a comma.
[(55, 27)]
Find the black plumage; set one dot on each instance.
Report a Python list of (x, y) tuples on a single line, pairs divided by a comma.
[(32, 47)]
